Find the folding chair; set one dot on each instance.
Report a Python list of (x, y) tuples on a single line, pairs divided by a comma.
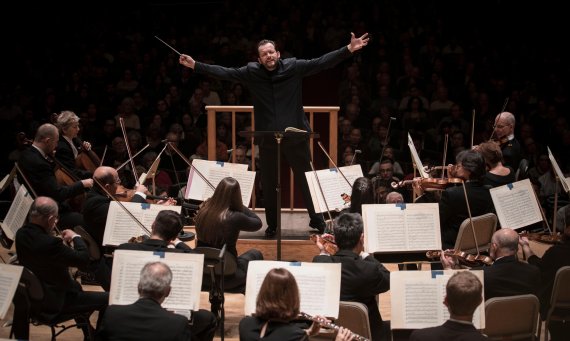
[(27, 301), (218, 264), (485, 225), (560, 299), (512, 318)]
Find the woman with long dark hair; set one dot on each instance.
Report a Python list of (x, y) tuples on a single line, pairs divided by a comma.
[(220, 220)]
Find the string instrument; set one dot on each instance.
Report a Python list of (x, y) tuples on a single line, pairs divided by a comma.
[(463, 257), (327, 240), (543, 237), (331, 325), (428, 183), (87, 159)]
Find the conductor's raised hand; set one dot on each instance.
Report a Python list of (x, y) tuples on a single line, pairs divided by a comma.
[(357, 43), (187, 61)]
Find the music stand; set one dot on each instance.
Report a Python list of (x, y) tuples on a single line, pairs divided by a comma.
[(278, 135)]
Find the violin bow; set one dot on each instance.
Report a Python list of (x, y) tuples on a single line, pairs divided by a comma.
[(444, 156), (322, 193), (131, 159), (472, 127), (499, 118), (470, 218), (171, 145), (334, 164)]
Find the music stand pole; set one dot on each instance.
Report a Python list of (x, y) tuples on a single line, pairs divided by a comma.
[(278, 138)]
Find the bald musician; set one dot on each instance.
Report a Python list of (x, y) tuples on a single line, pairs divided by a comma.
[(505, 133), (38, 167)]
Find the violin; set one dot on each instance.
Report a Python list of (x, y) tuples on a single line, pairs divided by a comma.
[(464, 258), (327, 240), (543, 237), (428, 183)]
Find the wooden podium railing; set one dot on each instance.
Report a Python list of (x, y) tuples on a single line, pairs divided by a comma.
[(212, 110)]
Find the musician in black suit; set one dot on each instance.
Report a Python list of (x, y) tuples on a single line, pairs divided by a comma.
[(67, 150), (507, 276), (165, 230), (49, 259), (505, 134), (97, 202), (362, 277), (146, 319), (453, 210), (36, 163), (463, 294)]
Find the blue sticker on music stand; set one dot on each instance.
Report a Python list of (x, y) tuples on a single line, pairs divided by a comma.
[(510, 186), (145, 205), (334, 170), (158, 253), (435, 273), (295, 263), (401, 205), (221, 163)]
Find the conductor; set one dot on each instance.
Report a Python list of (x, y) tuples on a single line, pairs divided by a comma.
[(276, 85)]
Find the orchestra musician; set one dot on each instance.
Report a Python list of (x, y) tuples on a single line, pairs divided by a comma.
[(50, 260), (505, 135), (96, 205), (362, 276), (497, 174), (37, 165), (453, 210), (67, 152)]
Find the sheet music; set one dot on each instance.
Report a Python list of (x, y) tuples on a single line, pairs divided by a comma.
[(9, 279), (187, 269), (417, 299), (333, 185), (215, 171), (401, 227), (563, 180), (17, 213), (319, 285), (516, 204), (416, 158), (121, 227)]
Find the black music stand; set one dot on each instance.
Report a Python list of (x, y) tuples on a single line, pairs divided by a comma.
[(278, 135)]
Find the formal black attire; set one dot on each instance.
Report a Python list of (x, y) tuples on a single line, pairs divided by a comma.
[(40, 172), (277, 103), (449, 331), (250, 330), (512, 153), (227, 232), (553, 259), (508, 277), (453, 209), (494, 180), (145, 319), (361, 281), (65, 155), (49, 259), (204, 322)]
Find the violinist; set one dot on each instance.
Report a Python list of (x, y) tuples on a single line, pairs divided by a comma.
[(553, 259), (37, 165), (362, 193), (469, 167), (497, 174), (67, 151), (507, 276), (96, 205), (504, 134)]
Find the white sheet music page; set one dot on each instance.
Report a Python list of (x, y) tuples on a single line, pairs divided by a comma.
[(319, 285), (187, 269), (416, 158), (516, 204), (563, 180), (401, 227), (121, 226), (333, 185), (9, 279), (417, 299), (17, 213), (214, 171)]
